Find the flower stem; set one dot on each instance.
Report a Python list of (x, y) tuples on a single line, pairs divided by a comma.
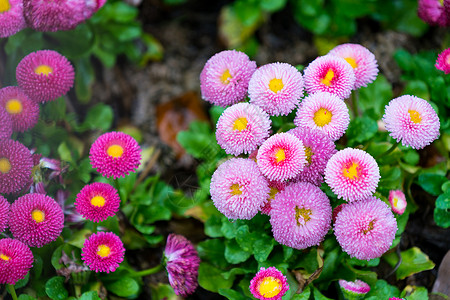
[(12, 291), (147, 272), (389, 151), (355, 98)]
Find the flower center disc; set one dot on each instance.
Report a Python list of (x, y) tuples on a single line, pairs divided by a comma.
[(328, 78), (13, 106), (308, 154), (235, 189), (302, 215), (280, 155), (4, 257), (5, 165), (415, 116), (276, 85), (38, 215), (322, 117), (4, 6), (351, 172), (43, 69), (352, 62), (269, 287), (103, 251), (115, 151), (273, 192), (240, 124), (369, 228), (225, 78), (98, 201)]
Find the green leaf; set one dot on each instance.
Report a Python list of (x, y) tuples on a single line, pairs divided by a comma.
[(73, 43), (124, 287), (362, 129), (99, 116), (318, 295), (55, 289), (414, 293), (210, 278), (78, 238), (231, 294), (304, 295), (432, 183), (213, 226), (382, 290), (22, 282), (247, 12), (442, 210), (212, 251), (376, 95), (84, 79), (404, 60), (272, 5), (417, 88), (163, 291), (413, 261), (234, 254), (262, 247), (91, 295)]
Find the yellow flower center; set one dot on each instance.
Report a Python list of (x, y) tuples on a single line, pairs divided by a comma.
[(43, 69), (4, 6), (280, 155), (5, 165), (328, 78), (273, 192), (351, 172), (98, 201), (302, 215), (370, 227), (103, 251), (395, 201), (308, 154), (38, 215), (415, 116), (235, 189), (14, 106), (240, 124), (269, 287), (322, 117), (115, 151), (276, 85), (4, 257), (225, 78), (352, 62)]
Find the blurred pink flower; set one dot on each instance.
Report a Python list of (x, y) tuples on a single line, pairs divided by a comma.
[(354, 290), (16, 259), (443, 61), (11, 17), (5, 124), (434, 12), (4, 213), (398, 201), (15, 166), (23, 111)]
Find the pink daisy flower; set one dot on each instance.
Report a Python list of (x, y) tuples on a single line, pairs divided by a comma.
[(434, 12), (103, 252), (4, 213), (365, 229), (325, 112), (276, 88), (16, 163), (23, 111), (411, 120), (242, 128), (352, 174), (281, 157), (16, 259), (330, 74), (396, 298), (11, 17), (97, 201), (363, 62), (300, 215), (36, 219), (269, 284), (443, 61), (318, 150), (336, 210), (5, 124), (225, 77), (275, 188), (238, 189), (45, 75), (115, 154), (397, 200), (354, 290), (182, 262)]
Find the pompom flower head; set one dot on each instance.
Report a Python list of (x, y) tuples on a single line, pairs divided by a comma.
[(269, 284), (16, 259), (352, 174), (276, 88), (225, 77), (443, 61), (412, 121), (11, 17), (362, 61), (4, 213), (15, 166), (434, 12), (242, 128), (5, 124), (300, 215), (97, 201), (23, 111), (281, 157), (45, 75), (103, 252), (36, 219), (365, 229), (325, 112), (397, 200), (238, 188), (318, 150), (115, 154), (330, 74), (354, 290), (182, 262)]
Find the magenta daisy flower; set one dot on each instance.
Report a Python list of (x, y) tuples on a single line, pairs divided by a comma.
[(352, 174), (36, 219), (411, 120), (182, 262), (276, 88), (5, 124), (23, 111), (325, 112), (103, 252), (275, 188), (115, 154), (242, 128), (336, 210), (97, 201), (363, 62), (433, 12), (16, 259), (45, 75), (365, 229), (443, 61), (238, 189), (225, 77), (330, 74), (281, 157), (4, 213), (269, 284), (300, 215), (354, 290), (397, 200), (11, 17), (396, 298), (318, 150), (16, 163)]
